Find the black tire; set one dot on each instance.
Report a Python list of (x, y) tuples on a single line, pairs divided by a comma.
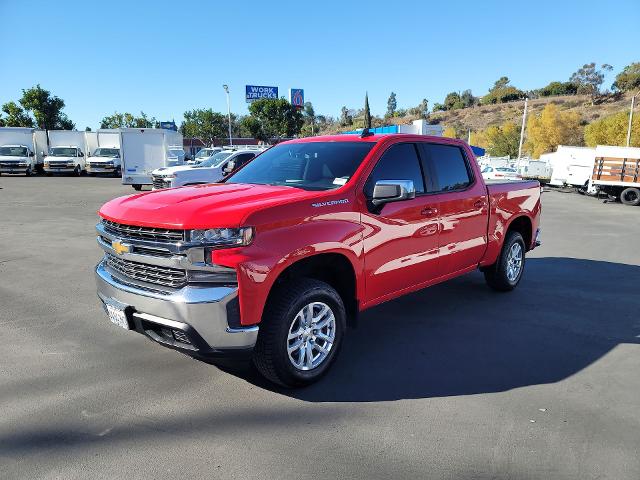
[(117, 173), (630, 196), (270, 355), (137, 186), (496, 275), (77, 171), (28, 172)]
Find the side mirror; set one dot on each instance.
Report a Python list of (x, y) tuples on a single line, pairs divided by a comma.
[(387, 191), (81, 154), (31, 154)]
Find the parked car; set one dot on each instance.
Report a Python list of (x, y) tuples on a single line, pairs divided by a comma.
[(176, 156), (280, 257), (203, 155), (500, 173), (210, 171)]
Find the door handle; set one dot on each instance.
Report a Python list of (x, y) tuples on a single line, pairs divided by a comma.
[(479, 204), (429, 211)]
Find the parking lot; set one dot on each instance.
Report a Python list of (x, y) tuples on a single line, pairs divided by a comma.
[(456, 381)]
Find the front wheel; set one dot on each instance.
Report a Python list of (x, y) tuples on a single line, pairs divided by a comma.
[(301, 333), (137, 186), (506, 273), (77, 171)]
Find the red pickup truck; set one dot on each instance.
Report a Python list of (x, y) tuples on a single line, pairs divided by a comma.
[(278, 259)]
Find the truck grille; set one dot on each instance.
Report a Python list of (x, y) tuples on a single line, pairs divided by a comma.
[(167, 277), (162, 235), (101, 165), (158, 182)]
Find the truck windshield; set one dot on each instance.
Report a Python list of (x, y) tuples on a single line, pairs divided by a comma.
[(204, 153), (63, 152), (309, 165), (13, 152), (106, 152), (214, 161)]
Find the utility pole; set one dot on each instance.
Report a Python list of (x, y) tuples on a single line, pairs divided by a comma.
[(633, 101), (226, 89), (524, 120)]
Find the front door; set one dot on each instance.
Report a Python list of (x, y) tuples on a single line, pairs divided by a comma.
[(400, 238)]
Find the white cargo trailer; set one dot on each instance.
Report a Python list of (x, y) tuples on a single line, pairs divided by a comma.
[(105, 157), (67, 150), (143, 150), (22, 150), (616, 172)]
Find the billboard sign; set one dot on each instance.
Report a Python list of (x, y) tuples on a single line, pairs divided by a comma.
[(296, 97), (257, 92), (169, 126)]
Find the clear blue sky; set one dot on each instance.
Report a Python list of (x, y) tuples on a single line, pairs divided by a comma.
[(166, 57)]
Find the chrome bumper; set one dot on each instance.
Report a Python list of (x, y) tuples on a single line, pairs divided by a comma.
[(201, 313), (52, 169)]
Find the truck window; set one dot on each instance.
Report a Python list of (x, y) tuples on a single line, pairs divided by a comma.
[(449, 166), (399, 162)]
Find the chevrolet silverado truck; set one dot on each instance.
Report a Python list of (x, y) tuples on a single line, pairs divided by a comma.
[(278, 259)]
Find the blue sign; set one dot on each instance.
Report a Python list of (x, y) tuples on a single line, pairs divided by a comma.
[(169, 126), (296, 97), (257, 92)]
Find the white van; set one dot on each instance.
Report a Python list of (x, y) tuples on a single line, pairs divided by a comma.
[(105, 158), (22, 150), (67, 149)]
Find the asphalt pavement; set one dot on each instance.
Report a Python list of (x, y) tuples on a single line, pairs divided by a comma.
[(456, 381)]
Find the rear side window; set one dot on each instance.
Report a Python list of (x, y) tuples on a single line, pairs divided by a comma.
[(449, 166), (399, 162)]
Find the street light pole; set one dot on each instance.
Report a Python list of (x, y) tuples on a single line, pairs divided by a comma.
[(524, 119), (226, 89), (633, 101)]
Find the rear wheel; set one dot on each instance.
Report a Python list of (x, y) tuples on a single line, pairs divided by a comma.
[(630, 196), (77, 171), (506, 273), (137, 186), (301, 333), (28, 172)]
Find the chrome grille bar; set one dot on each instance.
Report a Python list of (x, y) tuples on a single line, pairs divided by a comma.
[(168, 277), (144, 233)]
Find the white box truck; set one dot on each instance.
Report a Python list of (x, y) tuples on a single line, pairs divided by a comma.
[(22, 150), (143, 150), (105, 157), (570, 165), (67, 149)]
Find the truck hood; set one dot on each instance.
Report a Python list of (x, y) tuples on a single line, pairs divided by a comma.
[(200, 206), (170, 170), (11, 158), (59, 159)]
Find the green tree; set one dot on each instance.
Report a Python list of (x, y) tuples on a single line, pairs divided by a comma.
[(628, 79), (501, 92), (589, 78), (127, 120), (16, 116), (367, 112), (309, 116), (558, 88), (502, 140), (452, 101), (438, 107), (46, 108), (346, 118), (205, 124), (392, 105), (273, 118), (467, 99), (612, 130)]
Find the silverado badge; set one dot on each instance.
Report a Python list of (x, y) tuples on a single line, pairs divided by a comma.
[(120, 247)]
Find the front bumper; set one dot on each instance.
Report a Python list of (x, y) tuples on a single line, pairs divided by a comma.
[(198, 314), (7, 167), (101, 169), (59, 169)]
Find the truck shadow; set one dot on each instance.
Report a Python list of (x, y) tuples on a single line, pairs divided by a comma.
[(460, 338)]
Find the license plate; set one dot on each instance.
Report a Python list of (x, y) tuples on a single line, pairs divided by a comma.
[(117, 316)]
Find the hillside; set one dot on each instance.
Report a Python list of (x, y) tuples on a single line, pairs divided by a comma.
[(480, 117)]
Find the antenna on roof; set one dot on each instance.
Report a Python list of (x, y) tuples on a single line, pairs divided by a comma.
[(366, 133)]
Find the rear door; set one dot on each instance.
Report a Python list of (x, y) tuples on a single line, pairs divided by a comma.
[(400, 238), (463, 209)]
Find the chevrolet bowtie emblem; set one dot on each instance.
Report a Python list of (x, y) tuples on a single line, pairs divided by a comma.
[(120, 247)]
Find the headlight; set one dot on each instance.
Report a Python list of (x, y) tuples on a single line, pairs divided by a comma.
[(222, 237)]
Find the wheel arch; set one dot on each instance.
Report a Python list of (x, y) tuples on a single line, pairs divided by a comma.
[(524, 226)]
